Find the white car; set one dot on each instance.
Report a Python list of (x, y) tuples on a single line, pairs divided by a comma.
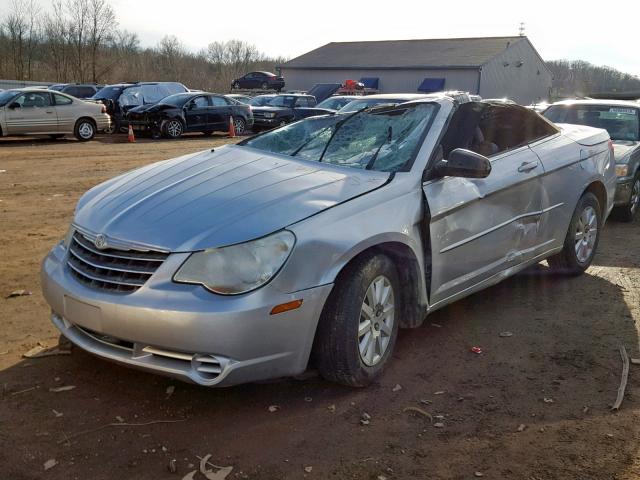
[(33, 111)]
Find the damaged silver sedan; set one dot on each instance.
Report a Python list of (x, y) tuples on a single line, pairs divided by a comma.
[(315, 242)]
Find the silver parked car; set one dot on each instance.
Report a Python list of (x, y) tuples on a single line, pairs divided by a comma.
[(622, 120), (34, 111), (321, 238)]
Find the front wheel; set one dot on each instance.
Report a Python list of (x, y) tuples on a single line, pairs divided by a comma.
[(239, 125), (173, 128), (359, 324), (265, 86), (581, 241), (235, 86), (85, 130), (626, 213)]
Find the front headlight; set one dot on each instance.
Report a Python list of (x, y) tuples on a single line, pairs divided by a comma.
[(622, 170), (66, 241), (238, 268)]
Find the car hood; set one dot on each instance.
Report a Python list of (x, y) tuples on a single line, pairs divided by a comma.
[(211, 199), (622, 149)]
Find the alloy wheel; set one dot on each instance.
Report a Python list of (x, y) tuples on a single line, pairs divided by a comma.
[(586, 234), (239, 125), (377, 315), (174, 128), (85, 130)]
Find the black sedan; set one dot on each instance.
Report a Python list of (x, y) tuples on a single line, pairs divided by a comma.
[(283, 109), (259, 80), (190, 112)]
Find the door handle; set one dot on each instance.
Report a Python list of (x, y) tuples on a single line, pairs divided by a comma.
[(528, 166)]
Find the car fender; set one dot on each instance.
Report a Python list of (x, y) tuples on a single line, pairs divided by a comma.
[(329, 240)]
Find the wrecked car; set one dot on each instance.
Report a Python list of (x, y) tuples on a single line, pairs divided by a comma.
[(315, 242)]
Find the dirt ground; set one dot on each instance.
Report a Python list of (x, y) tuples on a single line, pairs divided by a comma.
[(533, 406)]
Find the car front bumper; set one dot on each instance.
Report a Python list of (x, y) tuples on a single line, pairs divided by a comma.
[(183, 330), (623, 191), (266, 122)]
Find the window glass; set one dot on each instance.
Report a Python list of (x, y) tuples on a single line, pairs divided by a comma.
[(384, 140), (282, 101), (153, 93), (34, 99), (62, 100), (131, 97), (505, 127), (621, 122), (85, 92), (200, 102), (218, 101)]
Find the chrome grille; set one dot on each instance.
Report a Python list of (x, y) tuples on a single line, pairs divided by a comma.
[(112, 269)]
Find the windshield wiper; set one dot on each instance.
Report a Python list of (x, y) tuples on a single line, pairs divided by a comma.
[(371, 162), (339, 125)]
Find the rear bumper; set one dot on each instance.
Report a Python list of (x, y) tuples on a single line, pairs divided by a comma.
[(184, 331), (103, 122)]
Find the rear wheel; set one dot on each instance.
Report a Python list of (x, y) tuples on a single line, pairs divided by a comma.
[(359, 325), (173, 128), (84, 130), (236, 86), (582, 238), (627, 212), (265, 85)]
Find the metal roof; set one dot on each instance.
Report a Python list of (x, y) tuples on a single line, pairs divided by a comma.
[(440, 53)]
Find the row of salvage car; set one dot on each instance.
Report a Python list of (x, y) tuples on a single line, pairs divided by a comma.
[(314, 242)]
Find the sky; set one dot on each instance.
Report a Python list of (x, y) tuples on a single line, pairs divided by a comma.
[(558, 29)]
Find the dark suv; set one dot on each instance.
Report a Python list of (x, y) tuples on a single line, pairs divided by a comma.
[(285, 108), (78, 90), (259, 80), (122, 97)]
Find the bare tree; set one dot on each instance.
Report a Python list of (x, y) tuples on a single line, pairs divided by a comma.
[(78, 12), (102, 23)]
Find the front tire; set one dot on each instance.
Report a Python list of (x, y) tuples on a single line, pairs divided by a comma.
[(265, 86), (239, 125), (628, 212), (582, 238), (359, 324), (84, 130), (173, 128)]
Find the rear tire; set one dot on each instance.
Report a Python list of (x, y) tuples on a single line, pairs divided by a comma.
[(582, 238), (265, 86), (628, 212), (359, 324), (235, 86), (84, 130)]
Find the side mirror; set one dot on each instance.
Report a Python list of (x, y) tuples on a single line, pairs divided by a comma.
[(14, 105), (464, 163)]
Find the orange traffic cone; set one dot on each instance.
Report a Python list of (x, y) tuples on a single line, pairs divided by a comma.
[(232, 128), (131, 137)]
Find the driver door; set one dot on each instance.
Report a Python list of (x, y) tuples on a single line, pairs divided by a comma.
[(33, 112), (196, 112), (481, 228)]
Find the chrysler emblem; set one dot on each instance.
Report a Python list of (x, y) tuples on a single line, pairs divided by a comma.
[(100, 242)]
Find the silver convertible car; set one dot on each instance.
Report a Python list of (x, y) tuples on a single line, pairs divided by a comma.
[(314, 242)]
